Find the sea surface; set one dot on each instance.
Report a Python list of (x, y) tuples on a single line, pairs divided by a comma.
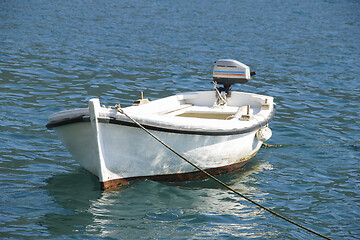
[(56, 55)]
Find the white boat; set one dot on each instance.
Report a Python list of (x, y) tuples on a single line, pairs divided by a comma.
[(219, 131)]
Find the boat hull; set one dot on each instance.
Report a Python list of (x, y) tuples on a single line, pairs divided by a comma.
[(129, 153)]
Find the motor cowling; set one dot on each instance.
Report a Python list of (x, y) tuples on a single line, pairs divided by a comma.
[(228, 72)]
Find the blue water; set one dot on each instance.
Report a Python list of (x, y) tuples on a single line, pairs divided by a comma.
[(56, 55)]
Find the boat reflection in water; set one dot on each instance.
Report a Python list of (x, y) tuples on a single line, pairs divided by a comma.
[(183, 209)]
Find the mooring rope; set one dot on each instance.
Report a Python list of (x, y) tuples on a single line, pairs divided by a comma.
[(354, 145), (265, 145), (118, 108)]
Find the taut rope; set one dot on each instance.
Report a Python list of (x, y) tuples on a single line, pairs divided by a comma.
[(118, 108)]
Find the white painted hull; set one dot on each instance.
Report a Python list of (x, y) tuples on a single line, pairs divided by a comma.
[(118, 150), (131, 152)]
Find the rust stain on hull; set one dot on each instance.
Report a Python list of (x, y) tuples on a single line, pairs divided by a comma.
[(177, 177)]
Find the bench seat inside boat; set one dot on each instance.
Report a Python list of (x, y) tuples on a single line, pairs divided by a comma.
[(221, 113)]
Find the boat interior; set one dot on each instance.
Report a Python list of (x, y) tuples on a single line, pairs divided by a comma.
[(224, 113), (201, 105)]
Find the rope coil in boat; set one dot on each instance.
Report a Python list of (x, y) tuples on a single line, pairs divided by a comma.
[(120, 110)]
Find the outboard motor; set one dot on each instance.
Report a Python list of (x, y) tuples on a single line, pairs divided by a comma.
[(228, 72)]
